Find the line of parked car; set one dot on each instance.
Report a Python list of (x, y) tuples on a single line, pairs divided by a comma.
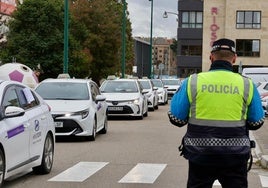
[(31, 119)]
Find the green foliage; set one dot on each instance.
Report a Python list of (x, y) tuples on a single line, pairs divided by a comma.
[(102, 20), (174, 46), (37, 37)]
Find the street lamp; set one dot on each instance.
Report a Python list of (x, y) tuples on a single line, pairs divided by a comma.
[(151, 43), (165, 15)]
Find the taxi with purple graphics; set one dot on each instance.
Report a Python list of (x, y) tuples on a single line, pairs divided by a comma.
[(77, 106), (27, 132)]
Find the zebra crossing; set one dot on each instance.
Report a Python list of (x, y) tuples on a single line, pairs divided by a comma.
[(145, 173)]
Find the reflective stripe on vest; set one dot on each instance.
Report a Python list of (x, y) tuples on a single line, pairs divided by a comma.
[(216, 89)]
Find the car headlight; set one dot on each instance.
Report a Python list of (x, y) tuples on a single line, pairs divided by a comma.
[(149, 95), (83, 114), (135, 101)]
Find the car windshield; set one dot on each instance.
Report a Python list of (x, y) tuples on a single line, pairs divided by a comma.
[(119, 87), (145, 84), (63, 91), (157, 83), (171, 82)]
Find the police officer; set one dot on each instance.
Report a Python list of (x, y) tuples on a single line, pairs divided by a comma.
[(220, 107)]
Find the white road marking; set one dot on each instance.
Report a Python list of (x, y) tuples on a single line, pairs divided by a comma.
[(216, 183), (79, 172), (264, 180), (143, 173)]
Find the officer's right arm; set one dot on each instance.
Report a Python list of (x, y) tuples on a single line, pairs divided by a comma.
[(180, 106), (256, 116)]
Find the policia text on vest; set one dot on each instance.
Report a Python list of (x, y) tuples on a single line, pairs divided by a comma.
[(227, 89)]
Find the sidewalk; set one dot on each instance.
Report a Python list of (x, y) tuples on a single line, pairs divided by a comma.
[(260, 153)]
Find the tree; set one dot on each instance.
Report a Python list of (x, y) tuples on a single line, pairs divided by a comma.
[(174, 46), (102, 20), (36, 35)]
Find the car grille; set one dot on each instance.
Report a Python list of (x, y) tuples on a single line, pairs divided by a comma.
[(126, 110), (68, 126), (171, 89)]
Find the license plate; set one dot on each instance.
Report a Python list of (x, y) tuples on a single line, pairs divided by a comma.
[(58, 124), (115, 108)]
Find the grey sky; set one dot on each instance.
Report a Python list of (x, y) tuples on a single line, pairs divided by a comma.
[(140, 17)]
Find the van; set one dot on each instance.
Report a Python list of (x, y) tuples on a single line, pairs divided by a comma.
[(257, 74)]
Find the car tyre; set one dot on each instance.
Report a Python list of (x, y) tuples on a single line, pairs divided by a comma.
[(2, 168), (156, 106), (94, 131), (105, 126), (47, 157), (145, 114), (141, 116)]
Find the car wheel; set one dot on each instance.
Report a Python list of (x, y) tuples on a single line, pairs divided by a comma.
[(156, 106), (166, 101), (105, 126), (47, 157), (142, 112), (152, 109), (146, 113), (2, 168), (94, 131)]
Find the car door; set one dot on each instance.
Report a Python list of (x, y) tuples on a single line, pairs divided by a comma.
[(17, 134), (37, 121), (100, 106)]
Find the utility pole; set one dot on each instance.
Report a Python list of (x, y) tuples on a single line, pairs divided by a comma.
[(66, 37), (123, 57), (151, 43)]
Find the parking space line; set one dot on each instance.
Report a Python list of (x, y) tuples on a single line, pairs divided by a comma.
[(143, 173), (79, 172)]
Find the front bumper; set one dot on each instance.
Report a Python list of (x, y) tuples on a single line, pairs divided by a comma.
[(72, 125), (116, 108)]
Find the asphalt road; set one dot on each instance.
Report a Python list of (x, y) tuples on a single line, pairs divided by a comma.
[(133, 154)]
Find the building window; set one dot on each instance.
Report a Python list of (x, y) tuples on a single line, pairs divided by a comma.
[(248, 19), (191, 50), (248, 48), (192, 19)]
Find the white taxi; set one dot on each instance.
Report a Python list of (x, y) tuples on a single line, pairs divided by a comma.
[(77, 106), (27, 132), (125, 97)]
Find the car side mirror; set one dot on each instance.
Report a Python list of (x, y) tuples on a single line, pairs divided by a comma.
[(144, 92), (100, 98), (13, 111)]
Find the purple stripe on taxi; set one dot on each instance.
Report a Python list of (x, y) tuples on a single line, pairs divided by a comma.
[(15, 131)]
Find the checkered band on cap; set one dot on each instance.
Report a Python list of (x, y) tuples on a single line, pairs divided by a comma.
[(216, 142), (223, 44)]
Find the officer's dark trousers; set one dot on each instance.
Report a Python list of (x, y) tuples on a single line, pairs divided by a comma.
[(200, 176)]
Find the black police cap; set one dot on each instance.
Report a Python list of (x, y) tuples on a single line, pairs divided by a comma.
[(223, 44)]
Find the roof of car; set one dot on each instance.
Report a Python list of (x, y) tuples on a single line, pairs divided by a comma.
[(76, 80), (125, 79)]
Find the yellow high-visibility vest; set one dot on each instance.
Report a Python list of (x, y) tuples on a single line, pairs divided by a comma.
[(219, 98)]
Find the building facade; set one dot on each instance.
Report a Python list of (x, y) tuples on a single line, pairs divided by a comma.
[(190, 34), (245, 22), (164, 58), (142, 58), (203, 21)]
